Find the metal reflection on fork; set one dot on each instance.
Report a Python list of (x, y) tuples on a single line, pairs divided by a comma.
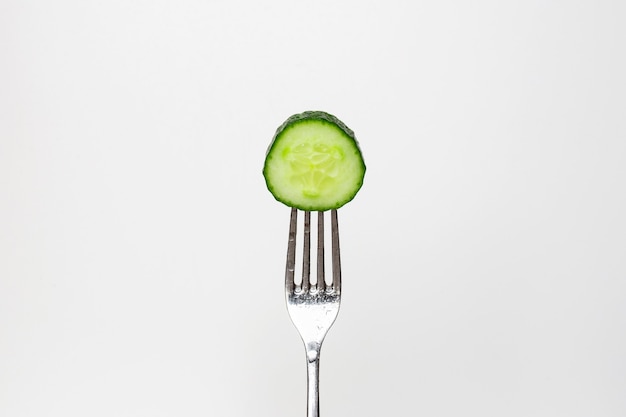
[(313, 308)]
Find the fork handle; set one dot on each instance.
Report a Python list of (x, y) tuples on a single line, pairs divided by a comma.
[(313, 379)]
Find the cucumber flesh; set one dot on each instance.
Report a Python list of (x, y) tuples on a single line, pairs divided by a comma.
[(314, 163)]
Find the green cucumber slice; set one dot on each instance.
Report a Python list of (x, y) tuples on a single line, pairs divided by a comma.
[(314, 163)]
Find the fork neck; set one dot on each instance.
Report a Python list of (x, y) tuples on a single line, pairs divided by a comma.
[(313, 378), (313, 351)]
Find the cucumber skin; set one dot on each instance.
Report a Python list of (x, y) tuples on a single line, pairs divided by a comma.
[(326, 117)]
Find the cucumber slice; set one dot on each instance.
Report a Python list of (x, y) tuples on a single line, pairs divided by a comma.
[(314, 163)]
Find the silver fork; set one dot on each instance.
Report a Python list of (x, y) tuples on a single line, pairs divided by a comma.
[(313, 308)]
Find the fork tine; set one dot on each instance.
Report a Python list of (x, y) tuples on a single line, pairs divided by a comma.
[(306, 258), (291, 253), (335, 249), (321, 283)]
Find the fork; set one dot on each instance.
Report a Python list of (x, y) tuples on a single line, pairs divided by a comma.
[(313, 308)]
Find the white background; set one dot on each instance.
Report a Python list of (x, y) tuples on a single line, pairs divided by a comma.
[(142, 258)]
